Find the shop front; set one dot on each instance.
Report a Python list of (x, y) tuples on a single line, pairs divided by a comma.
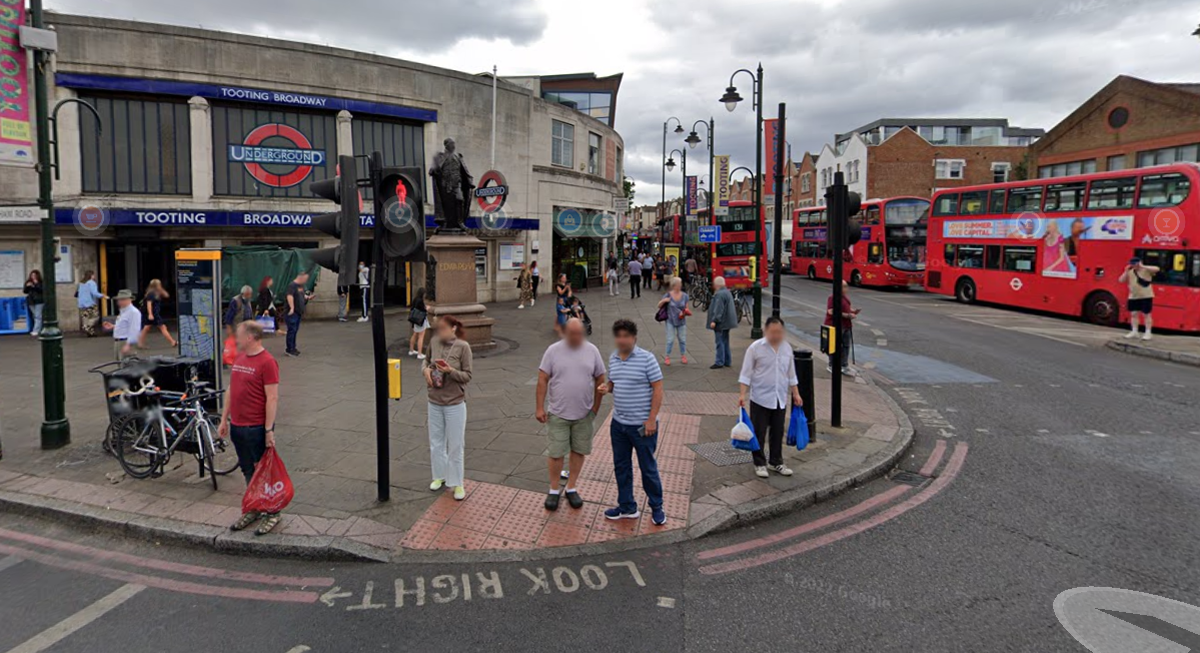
[(582, 240)]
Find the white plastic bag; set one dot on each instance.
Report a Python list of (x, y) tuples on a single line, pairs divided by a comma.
[(741, 432)]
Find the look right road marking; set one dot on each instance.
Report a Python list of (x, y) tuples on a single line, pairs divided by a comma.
[(65, 628)]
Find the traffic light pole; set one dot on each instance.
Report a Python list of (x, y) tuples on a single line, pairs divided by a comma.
[(836, 199), (781, 125), (379, 337)]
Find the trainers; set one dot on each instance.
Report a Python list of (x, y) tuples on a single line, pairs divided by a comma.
[(341, 319), (782, 470), (829, 368), (521, 306), (613, 514), (460, 492), (715, 366), (683, 360), (667, 361), (363, 319), (436, 485), (552, 502), (420, 356), (1147, 336), (658, 516), (848, 371), (761, 472), (1131, 334), (574, 500), (412, 352), (292, 353)]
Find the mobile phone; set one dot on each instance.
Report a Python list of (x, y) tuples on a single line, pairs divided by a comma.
[(441, 362)]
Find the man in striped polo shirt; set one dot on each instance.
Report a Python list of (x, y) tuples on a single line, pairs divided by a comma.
[(635, 382)]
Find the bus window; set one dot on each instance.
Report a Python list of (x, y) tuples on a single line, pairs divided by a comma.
[(1025, 199), (1172, 266), (946, 205), (1195, 274), (1112, 193), (1019, 259), (973, 203), (949, 253), (821, 218), (997, 206), (875, 253), (1163, 190), (871, 216), (970, 256), (1065, 197), (991, 257)]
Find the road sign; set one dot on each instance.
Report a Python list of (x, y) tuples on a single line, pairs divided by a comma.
[(710, 234), (21, 214), (621, 204)]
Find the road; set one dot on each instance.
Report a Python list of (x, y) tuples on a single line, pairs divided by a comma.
[(1042, 462)]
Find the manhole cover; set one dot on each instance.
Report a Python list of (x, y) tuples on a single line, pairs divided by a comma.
[(721, 454), (909, 478)]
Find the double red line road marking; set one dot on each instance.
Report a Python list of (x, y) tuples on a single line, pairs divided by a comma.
[(796, 535), (140, 570)]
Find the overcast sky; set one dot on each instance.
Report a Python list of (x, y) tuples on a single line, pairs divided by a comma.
[(838, 64)]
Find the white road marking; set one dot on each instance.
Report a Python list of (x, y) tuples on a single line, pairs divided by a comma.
[(300, 649), (1043, 430), (9, 561), (1146, 432), (1018, 385), (1097, 434), (877, 333), (65, 628), (1055, 385), (666, 602), (981, 430), (881, 342)]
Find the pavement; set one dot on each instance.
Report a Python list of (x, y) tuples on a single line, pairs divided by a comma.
[(327, 440), (1182, 349)]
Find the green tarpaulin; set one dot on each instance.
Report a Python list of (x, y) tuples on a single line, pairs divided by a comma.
[(249, 265)]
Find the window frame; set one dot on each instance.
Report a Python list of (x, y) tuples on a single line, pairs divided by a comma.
[(1056, 190), (559, 143), (936, 209), (1018, 192), (174, 153), (1005, 166), (1113, 183), (1030, 250), (950, 165), (1162, 176)]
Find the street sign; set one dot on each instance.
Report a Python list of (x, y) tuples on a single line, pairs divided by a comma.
[(710, 234), (21, 214), (621, 204)]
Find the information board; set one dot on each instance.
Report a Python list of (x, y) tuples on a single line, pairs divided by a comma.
[(12, 269), (198, 298)]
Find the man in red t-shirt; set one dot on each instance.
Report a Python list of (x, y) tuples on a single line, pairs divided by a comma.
[(249, 415), (849, 313)]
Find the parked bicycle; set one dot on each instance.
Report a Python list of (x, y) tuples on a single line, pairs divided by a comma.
[(700, 292), (145, 440), (743, 305)]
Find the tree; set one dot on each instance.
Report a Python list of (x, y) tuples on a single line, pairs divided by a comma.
[(629, 190)]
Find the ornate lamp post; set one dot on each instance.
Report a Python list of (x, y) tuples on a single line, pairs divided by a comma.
[(731, 100)]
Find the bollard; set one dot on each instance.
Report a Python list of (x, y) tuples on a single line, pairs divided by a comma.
[(804, 380)]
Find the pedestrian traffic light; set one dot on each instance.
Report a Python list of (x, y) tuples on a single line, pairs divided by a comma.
[(341, 224), (402, 206)]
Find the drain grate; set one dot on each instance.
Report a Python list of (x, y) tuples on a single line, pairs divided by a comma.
[(721, 454), (909, 478)]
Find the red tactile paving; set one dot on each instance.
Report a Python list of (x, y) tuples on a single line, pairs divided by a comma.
[(559, 534), (455, 538)]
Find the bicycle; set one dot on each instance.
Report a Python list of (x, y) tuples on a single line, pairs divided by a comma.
[(742, 304), (145, 440), (700, 292)]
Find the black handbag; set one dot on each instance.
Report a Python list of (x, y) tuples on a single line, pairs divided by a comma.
[(417, 317)]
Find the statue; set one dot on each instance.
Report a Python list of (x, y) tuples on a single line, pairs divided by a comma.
[(431, 278), (451, 188)]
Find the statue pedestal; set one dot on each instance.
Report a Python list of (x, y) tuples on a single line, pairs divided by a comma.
[(455, 292)]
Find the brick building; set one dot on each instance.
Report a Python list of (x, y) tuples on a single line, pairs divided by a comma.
[(1130, 123)]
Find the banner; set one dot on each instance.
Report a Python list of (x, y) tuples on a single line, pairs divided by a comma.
[(771, 145), (723, 190), (691, 185), (16, 132), (1032, 227)]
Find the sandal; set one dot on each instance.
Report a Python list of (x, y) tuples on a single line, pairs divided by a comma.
[(269, 522), (245, 521)]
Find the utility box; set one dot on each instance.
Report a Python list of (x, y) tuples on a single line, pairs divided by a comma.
[(828, 340), (394, 386)]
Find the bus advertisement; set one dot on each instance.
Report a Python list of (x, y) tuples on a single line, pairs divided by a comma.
[(737, 257), (891, 252), (1061, 244)]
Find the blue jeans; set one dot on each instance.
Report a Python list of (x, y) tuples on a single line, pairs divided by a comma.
[(366, 290), (626, 442), (674, 332), (723, 356), (447, 438), (293, 327), (36, 309), (343, 306), (250, 443)]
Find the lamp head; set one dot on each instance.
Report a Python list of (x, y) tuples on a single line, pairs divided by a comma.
[(731, 98), (692, 140), (671, 164)]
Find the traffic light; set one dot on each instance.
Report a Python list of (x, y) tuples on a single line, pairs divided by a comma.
[(853, 222), (400, 197), (845, 229), (341, 224)]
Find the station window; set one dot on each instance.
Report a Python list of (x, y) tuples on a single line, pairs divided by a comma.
[(145, 146)]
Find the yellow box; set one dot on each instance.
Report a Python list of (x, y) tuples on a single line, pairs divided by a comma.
[(395, 390)]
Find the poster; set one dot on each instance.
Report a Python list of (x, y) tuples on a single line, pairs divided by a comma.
[(691, 184), (12, 269), (16, 131), (197, 297), (723, 191), (512, 256), (771, 145), (64, 269), (1032, 227)]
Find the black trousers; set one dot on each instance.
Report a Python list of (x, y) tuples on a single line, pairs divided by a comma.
[(769, 425), (635, 287), (647, 276), (536, 281)]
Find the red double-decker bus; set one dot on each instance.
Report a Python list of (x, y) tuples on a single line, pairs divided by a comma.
[(1060, 244), (736, 257), (890, 253)]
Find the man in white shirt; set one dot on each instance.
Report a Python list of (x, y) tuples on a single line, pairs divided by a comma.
[(128, 326), (364, 282), (769, 377)]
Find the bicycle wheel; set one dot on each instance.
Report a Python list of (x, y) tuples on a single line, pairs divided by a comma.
[(134, 446), (207, 454), (225, 458)]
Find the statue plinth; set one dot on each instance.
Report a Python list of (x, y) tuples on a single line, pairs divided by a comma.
[(455, 287)]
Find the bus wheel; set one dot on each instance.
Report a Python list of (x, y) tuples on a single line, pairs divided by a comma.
[(812, 273), (856, 278), (965, 291), (1102, 308)]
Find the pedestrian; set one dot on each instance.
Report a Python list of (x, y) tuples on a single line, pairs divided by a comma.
[(611, 261), (241, 308), (613, 279), (562, 285), (635, 277), (418, 317), (35, 300), (689, 270), (769, 378), (663, 272), (636, 383), (447, 373), (676, 301), (343, 293), (128, 326), (152, 303), (248, 418), (364, 284), (849, 314), (1140, 279), (89, 296), (562, 312), (647, 271), (721, 318), (570, 373), (536, 275), (525, 283), (297, 298), (265, 306)]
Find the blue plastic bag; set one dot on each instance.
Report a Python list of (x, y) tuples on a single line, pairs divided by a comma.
[(797, 435), (744, 445)]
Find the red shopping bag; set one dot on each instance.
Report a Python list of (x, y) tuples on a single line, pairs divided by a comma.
[(270, 489), (229, 351)]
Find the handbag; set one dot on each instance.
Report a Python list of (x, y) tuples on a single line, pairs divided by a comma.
[(742, 435), (661, 315), (417, 317), (797, 434), (267, 323)]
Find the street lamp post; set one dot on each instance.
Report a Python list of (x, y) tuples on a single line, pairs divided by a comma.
[(670, 166), (731, 100), (693, 140), (662, 206)]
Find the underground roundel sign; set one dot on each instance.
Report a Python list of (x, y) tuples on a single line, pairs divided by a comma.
[(492, 191), (277, 155)]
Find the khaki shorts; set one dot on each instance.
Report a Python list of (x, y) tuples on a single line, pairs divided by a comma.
[(566, 436)]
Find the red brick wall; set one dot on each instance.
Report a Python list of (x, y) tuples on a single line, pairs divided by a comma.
[(904, 165), (610, 160)]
